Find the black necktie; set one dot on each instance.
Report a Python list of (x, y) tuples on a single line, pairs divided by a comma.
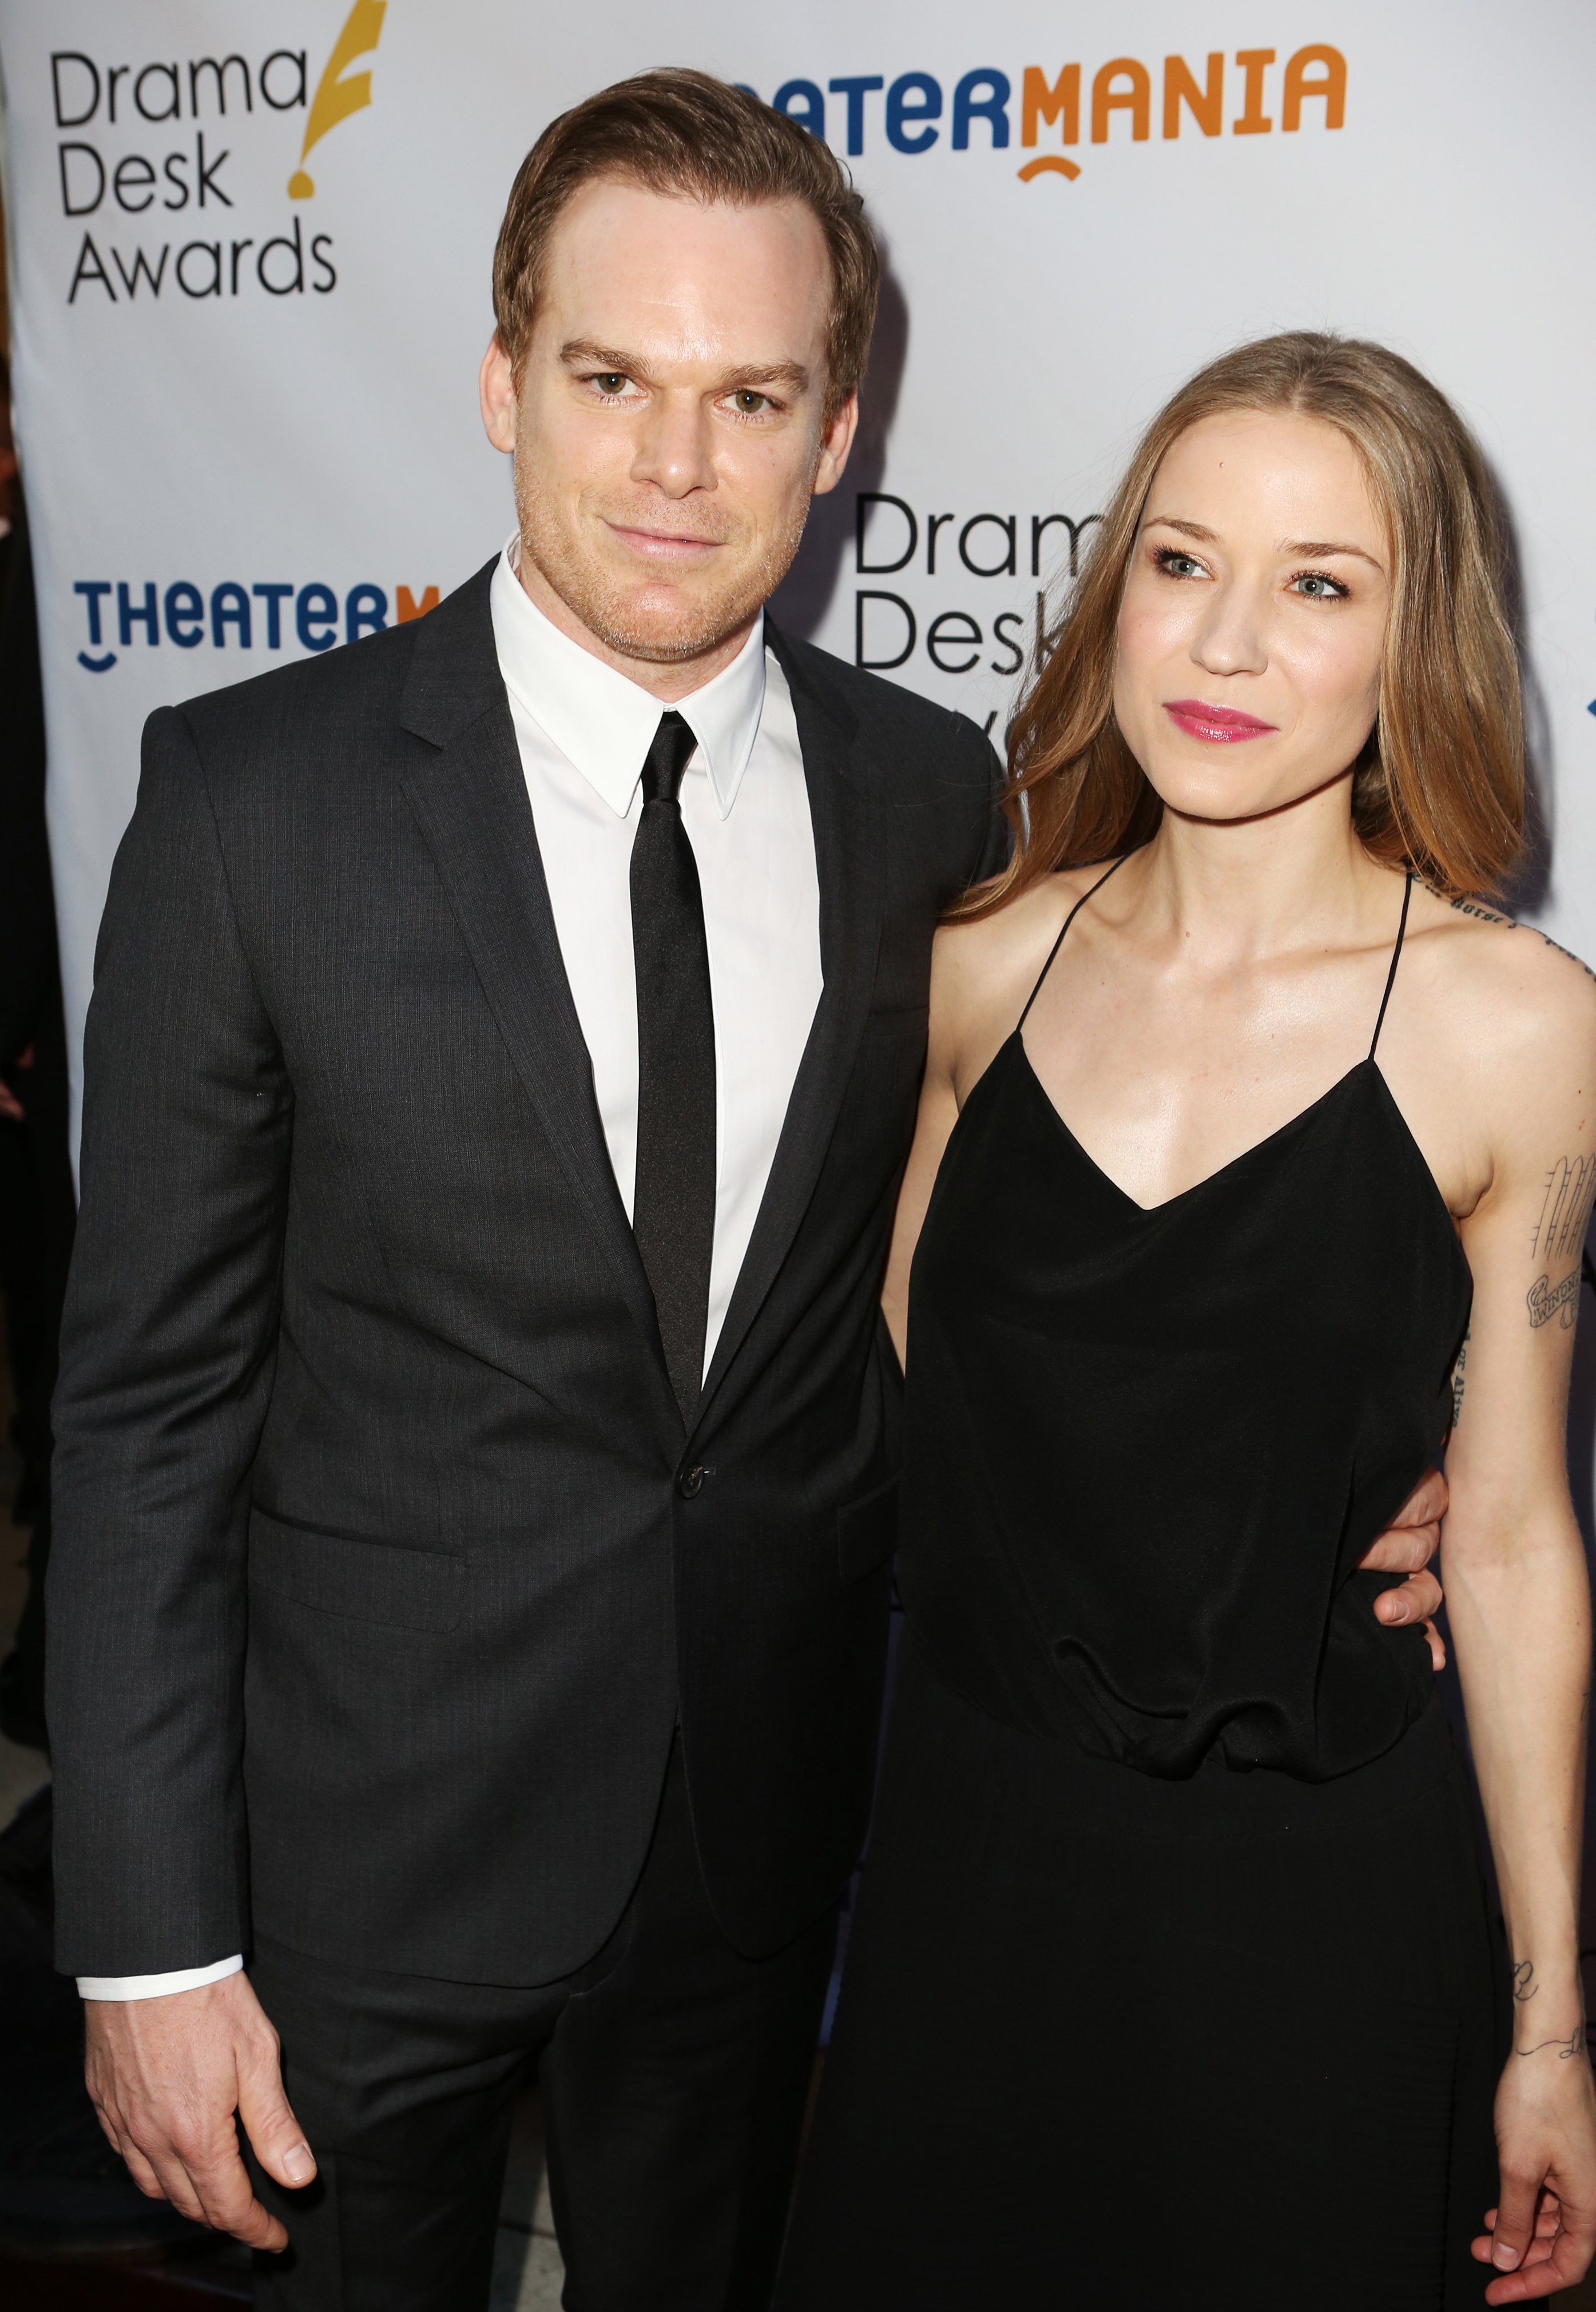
[(673, 1212)]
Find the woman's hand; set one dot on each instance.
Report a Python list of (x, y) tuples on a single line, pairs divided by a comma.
[(1542, 2237)]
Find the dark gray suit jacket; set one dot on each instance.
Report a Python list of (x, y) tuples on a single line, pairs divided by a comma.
[(382, 1566)]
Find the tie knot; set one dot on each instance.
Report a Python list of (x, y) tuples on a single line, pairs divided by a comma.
[(667, 758)]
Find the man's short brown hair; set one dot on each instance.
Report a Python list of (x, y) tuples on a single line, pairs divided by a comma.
[(686, 133)]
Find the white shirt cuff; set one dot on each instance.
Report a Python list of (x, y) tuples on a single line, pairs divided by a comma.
[(156, 1986)]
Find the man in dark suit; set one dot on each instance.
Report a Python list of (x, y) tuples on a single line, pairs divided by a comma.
[(476, 1442)]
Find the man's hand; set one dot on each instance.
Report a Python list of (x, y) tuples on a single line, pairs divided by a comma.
[(166, 2077), (1407, 1547)]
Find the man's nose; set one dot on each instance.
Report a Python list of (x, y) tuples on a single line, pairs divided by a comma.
[(673, 446)]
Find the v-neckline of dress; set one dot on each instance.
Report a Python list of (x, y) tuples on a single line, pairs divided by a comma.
[(1258, 1147)]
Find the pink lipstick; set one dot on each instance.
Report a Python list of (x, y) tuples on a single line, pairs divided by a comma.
[(1222, 725)]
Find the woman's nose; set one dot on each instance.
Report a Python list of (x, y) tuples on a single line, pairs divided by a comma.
[(1231, 638)]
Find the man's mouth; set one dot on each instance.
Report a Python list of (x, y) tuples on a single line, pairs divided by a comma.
[(678, 548)]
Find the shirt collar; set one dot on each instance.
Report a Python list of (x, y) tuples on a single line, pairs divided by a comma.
[(603, 723)]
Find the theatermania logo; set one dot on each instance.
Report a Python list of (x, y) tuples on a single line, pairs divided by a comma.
[(143, 200), (119, 615), (914, 114)]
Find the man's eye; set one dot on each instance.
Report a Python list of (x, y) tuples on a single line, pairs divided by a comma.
[(609, 381), (748, 404)]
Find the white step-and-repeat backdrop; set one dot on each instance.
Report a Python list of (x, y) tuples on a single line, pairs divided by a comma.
[(249, 276)]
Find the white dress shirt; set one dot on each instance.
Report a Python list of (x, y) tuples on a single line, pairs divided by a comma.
[(583, 732)]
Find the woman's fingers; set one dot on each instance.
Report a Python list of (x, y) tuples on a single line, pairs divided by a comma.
[(1564, 2268), (1516, 2211), (1547, 2217), (1556, 2256)]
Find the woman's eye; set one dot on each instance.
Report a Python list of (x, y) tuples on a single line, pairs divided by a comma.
[(1318, 587), (1177, 565)]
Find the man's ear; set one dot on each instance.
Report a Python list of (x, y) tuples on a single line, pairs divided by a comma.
[(495, 386), (835, 445)]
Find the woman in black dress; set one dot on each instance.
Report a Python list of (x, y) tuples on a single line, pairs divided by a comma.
[(1172, 1986)]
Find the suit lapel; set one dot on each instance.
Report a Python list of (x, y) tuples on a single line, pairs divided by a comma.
[(469, 797), (847, 863)]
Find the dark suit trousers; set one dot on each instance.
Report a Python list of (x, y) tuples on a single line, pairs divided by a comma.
[(674, 2075)]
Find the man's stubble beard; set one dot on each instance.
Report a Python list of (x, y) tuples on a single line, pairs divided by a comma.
[(600, 604)]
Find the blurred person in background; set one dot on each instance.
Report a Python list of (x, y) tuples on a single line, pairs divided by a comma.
[(37, 1203), (62, 2188)]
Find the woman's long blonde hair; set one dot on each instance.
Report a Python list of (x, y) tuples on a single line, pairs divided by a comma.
[(1440, 785)]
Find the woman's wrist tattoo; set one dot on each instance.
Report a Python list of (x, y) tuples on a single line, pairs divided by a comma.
[(1572, 2045), (1524, 1988)]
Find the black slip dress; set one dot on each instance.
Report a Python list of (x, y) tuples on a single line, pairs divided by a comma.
[(1172, 1985)]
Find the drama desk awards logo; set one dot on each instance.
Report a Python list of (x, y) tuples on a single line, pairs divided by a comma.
[(337, 97), (109, 170)]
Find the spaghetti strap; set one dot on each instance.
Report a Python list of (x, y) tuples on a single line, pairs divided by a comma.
[(1396, 955), (1058, 942)]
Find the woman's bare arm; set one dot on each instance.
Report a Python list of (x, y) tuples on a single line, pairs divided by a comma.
[(1519, 1608), (938, 1113), (981, 974)]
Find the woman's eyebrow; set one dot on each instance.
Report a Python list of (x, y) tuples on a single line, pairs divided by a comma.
[(1315, 548), (1311, 548), (1186, 529)]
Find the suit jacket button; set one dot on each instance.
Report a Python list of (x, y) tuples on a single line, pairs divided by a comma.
[(690, 1484)]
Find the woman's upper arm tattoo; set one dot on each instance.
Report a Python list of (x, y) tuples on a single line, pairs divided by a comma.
[(1559, 1236), (1566, 1209)]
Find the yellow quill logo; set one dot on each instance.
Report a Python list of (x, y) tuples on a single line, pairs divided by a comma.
[(335, 96)]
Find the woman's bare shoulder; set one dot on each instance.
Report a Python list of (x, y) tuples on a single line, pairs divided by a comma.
[(983, 971), (1502, 992), (1480, 953), (991, 963)]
